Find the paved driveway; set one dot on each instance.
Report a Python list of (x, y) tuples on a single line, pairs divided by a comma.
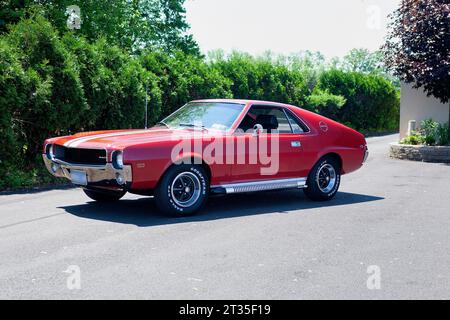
[(392, 215)]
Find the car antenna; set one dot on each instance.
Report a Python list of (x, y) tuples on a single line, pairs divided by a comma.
[(146, 107)]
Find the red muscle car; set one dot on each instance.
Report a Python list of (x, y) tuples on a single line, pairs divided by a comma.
[(211, 147)]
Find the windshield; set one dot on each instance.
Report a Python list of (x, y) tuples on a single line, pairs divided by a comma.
[(209, 115)]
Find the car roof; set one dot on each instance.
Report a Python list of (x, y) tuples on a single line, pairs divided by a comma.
[(243, 101)]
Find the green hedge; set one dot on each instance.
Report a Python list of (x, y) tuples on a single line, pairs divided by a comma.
[(262, 79), (52, 84), (371, 102)]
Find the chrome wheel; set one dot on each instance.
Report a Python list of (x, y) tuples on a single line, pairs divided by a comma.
[(185, 189), (326, 178)]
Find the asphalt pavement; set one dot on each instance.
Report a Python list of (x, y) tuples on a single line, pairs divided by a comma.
[(385, 235)]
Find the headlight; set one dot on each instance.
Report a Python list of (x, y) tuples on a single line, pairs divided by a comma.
[(49, 151), (117, 159)]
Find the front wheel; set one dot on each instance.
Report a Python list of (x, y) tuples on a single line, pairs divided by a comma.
[(104, 195), (323, 180), (183, 190)]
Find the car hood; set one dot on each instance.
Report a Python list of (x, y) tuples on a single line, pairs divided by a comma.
[(120, 139)]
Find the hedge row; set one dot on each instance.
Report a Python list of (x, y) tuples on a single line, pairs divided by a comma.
[(55, 85)]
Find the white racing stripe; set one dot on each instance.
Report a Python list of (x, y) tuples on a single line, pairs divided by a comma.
[(76, 142)]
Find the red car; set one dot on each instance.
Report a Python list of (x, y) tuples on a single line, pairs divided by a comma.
[(211, 147)]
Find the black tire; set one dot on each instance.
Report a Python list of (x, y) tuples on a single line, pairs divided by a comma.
[(104, 195), (321, 188), (182, 190)]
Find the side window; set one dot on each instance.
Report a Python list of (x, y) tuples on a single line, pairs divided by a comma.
[(283, 122), (271, 119), (297, 126)]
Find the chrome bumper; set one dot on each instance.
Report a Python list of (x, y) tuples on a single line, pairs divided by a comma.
[(105, 176), (366, 155)]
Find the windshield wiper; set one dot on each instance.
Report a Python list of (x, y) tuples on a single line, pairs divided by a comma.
[(191, 125)]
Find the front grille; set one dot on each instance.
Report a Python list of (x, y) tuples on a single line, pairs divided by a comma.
[(79, 156)]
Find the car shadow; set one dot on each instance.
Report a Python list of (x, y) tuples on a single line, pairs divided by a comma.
[(142, 212)]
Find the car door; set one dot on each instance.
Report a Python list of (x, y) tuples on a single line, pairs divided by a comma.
[(273, 153), (303, 138)]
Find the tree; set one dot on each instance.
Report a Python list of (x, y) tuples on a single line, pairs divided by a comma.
[(165, 25), (417, 47), (362, 60), (310, 64), (365, 61), (10, 12), (130, 24)]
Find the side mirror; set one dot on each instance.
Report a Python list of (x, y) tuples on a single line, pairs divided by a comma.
[(257, 128)]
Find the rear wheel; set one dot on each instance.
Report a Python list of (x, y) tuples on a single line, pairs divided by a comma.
[(104, 195), (183, 190), (323, 180)]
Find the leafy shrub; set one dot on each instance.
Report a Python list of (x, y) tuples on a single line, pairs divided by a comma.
[(414, 138), (183, 77), (52, 96), (434, 132), (442, 133), (262, 79), (428, 128), (120, 90), (429, 133), (325, 103), (372, 102), (13, 93)]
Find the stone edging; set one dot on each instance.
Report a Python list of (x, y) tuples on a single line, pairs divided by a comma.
[(420, 153)]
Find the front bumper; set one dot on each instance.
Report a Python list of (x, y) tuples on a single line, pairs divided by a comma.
[(102, 176)]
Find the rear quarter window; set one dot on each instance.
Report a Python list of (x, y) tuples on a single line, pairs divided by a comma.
[(297, 125)]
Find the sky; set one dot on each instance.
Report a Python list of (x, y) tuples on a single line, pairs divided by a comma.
[(288, 26)]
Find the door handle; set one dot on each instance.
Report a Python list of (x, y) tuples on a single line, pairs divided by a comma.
[(296, 144)]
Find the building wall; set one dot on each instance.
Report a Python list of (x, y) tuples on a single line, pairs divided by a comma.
[(415, 105)]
